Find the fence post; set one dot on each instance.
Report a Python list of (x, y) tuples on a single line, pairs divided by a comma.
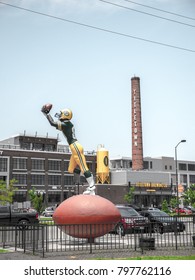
[(43, 249), (4, 236), (33, 228), (90, 239), (16, 236), (45, 235), (24, 237), (175, 233), (193, 240), (135, 239)]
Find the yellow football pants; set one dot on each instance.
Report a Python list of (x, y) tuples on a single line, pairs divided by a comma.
[(77, 158)]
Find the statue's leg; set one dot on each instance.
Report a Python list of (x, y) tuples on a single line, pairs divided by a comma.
[(79, 158), (90, 180)]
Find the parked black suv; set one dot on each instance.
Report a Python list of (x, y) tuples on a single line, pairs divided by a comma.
[(161, 222)]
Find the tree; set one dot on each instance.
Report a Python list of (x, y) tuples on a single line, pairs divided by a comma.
[(7, 192), (174, 202), (130, 195), (165, 207), (189, 195), (36, 199)]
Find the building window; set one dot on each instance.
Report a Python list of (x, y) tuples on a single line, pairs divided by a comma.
[(66, 164), (151, 166), (54, 197), (26, 146), (183, 178), (182, 166), (20, 178), (38, 164), (68, 180), (165, 167), (89, 164), (54, 180), (3, 164), (146, 165), (37, 146), (170, 167), (50, 147), (19, 163), (113, 164), (38, 180), (192, 179), (54, 165), (191, 167), (20, 196)]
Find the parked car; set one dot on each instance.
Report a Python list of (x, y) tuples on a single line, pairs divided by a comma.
[(184, 211), (10, 216), (134, 206), (191, 208), (131, 221), (31, 210), (153, 208), (161, 222), (48, 212)]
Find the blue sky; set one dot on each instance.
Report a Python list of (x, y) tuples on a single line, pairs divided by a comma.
[(46, 59)]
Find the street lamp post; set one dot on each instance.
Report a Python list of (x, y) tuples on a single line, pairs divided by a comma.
[(176, 168)]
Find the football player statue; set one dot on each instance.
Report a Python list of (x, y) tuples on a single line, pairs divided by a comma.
[(77, 158)]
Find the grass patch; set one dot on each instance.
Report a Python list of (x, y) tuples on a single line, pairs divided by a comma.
[(46, 220), (3, 251), (156, 258), (163, 258)]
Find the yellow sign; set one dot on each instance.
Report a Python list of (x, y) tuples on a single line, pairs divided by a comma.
[(152, 185)]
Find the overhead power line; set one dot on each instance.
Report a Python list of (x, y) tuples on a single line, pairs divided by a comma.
[(145, 13), (98, 28), (160, 10)]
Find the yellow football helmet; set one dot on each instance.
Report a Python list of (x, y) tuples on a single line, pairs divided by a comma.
[(66, 114)]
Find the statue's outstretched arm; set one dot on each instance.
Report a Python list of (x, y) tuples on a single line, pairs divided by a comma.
[(45, 110), (51, 121)]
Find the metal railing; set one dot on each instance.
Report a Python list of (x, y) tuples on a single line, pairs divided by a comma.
[(48, 237)]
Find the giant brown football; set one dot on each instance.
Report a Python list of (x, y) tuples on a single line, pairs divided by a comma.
[(86, 216)]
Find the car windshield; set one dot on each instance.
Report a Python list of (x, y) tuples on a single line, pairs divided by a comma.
[(128, 212), (159, 213)]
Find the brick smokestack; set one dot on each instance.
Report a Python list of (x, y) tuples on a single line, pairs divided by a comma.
[(137, 144)]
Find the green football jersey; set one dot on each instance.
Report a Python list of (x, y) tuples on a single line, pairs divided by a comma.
[(68, 130)]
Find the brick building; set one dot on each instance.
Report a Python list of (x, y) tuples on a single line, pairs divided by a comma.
[(40, 162)]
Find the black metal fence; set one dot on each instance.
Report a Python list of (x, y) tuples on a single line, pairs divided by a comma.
[(48, 237)]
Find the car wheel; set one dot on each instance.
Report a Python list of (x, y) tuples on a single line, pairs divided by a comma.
[(120, 230), (23, 224)]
